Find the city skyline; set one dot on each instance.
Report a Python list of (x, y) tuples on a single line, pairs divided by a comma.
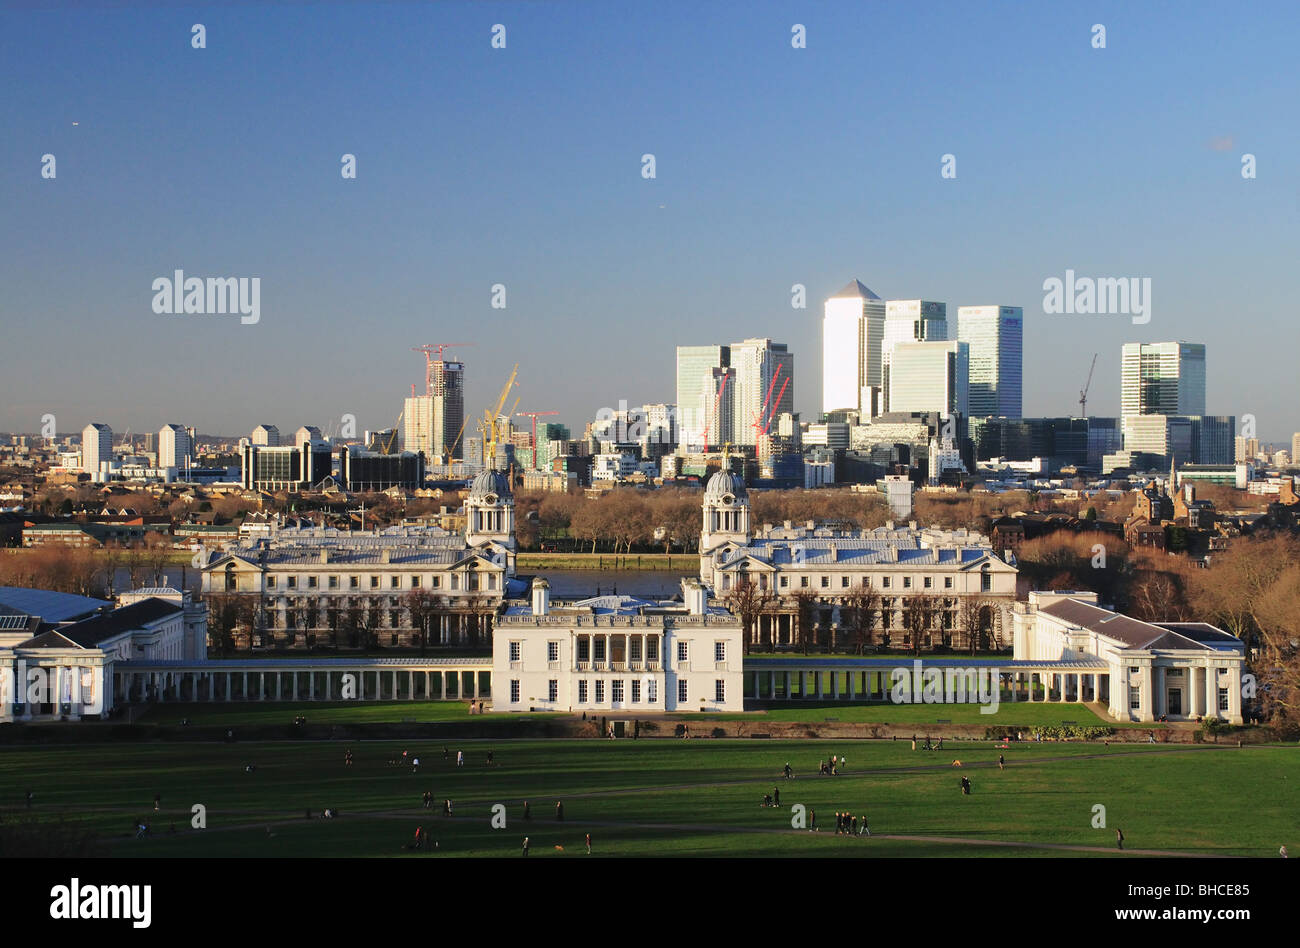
[(524, 171)]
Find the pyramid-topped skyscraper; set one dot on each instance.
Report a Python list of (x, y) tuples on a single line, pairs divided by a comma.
[(852, 330)]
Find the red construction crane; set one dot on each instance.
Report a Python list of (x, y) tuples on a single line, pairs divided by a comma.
[(763, 421), (429, 360), (716, 400), (534, 415)]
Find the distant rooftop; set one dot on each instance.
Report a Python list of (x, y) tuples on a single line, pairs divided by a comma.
[(855, 290)]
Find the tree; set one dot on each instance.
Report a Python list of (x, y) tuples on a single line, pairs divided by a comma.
[(749, 601), (858, 611), (422, 606), (918, 617), (806, 608), (970, 612)]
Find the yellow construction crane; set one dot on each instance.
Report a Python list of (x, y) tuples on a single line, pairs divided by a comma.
[(488, 426), (388, 448)]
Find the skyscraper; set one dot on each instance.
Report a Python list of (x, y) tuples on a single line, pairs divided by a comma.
[(764, 387), (995, 335), (96, 447), (434, 422), (1162, 378), (701, 371), (853, 330), (930, 376), (909, 321), (175, 448)]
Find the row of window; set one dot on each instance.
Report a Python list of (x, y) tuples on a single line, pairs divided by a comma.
[(652, 649), (886, 582), (617, 689), (414, 581)]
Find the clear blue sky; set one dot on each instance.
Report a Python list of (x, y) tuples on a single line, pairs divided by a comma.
[(522, 166)]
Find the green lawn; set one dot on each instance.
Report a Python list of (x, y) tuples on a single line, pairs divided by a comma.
[(1007, 715), (319, 712), (649, 798)]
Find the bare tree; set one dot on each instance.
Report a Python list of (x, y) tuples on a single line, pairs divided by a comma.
[(749, 601), (859, 613)]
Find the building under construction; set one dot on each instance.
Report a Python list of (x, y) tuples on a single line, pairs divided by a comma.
[(434, 423)]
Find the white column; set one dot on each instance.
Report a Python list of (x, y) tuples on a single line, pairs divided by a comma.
[(1211, 690), (1234, 694), (277, 686)]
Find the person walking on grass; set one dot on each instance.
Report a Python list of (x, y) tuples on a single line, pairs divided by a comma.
[(776, 796), (588, 844), (1119, 838), (1001, 762), (525, 845), (559, 811)]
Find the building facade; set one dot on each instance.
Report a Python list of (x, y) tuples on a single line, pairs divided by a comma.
[(995, 335), (853, 327)]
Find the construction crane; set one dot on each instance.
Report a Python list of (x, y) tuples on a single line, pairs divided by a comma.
[(397, 426), (488, 426), (534, 415), (1083, 392), (763, 421), (429, 360)]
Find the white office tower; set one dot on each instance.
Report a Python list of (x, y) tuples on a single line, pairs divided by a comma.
[(853, 329), (307, 434), (995, 335), (764, 387), (96, 448), (701, 374), (268, 435), (1162, 378), (909, 321), (930, 376), (175, 447)]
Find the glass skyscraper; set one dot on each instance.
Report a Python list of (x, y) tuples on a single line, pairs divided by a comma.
[(1163, 378), (852, 334), (995, 335)]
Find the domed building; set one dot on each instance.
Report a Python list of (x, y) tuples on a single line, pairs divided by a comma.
[(726, 519), (490, 518)]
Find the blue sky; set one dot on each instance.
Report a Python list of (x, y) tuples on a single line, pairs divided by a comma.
[(521, 166)]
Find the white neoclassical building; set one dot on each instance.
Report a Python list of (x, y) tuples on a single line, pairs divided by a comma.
[(300, 585), (896, 563), (1179, 670), (615, 654), (66, 669)]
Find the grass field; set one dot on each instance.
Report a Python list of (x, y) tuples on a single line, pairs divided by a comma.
[(395, 712), (664, 798)]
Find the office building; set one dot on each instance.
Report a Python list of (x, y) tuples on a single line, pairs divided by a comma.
[(853, 328), (930, 376), (995, 335), (764, 387), (1162, 378), (704, 387), (909, 321)]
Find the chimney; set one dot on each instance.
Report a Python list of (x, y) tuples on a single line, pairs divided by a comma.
[(324, 555), (696, 597), (541, 597)]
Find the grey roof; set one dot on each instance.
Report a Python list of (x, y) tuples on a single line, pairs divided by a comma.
[(859, 552), (50, 639), (855, 289), (88, 633), (49, 605), (723, 483), (489, 482), (1133, 633)]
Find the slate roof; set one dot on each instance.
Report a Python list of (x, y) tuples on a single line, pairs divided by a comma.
[(88, 633), (50, 606), (1134, 633), (857, 552)]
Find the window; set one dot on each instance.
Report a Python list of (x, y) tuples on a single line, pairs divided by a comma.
[(394, 621), (1223, 699), (884, 582), (553, 690), (394, 582), (929, 582), (437, 582), (552, 651), (616, 690), (636, 649), (652, 649), (636, 690), (292, 582), (600, 691), (374, 582), (803, 582), (514, 651), (600, 648), (719, 651), (582, 691), (681, 690), (1135, 698), (826, 582), (986, 581), (270, 582), (333, 582), (393, 639), (681, 652), (907, 582), (785, 582), (947, 582), (311, 582), (844, 582), (514, 690), (652, 691), (584, 649), (354, 582), (415, 582), (720, 691)]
